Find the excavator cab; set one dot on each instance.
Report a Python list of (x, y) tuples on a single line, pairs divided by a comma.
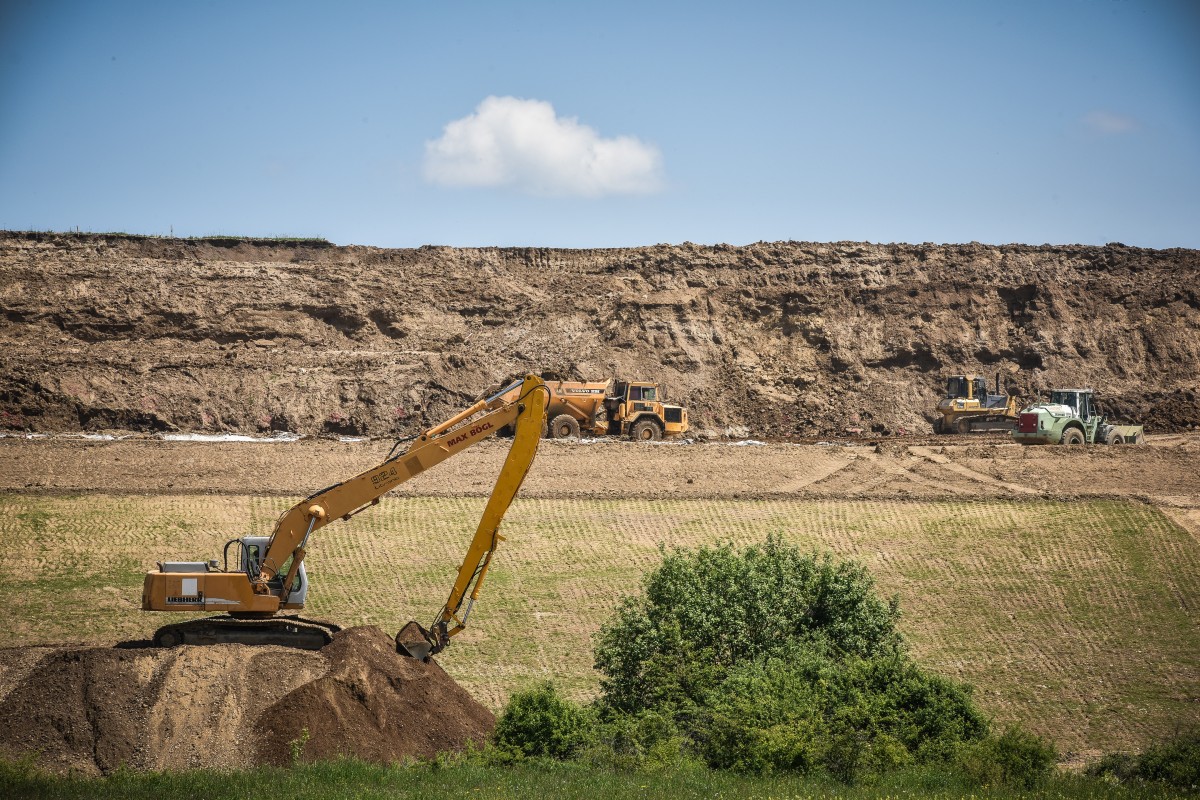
[(252, 550)]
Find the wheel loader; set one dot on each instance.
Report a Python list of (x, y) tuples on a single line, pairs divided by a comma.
[(1072, 417), (267, 575), (612, 408), (967, 407)]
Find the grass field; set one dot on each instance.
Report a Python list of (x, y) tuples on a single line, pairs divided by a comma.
[(340, 780), (1077, 619)]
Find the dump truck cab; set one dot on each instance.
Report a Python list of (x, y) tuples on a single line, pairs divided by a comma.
[(635, 409)]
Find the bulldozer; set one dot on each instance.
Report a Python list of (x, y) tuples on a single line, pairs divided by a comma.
[(968, 408), (267, 575)]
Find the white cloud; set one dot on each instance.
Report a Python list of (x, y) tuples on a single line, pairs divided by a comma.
[(1108, 122), (525, 145)]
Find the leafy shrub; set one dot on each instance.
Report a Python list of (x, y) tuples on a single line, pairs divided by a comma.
[(770, 659), (1014, 758), (647, 741), (538, 722), (1175, 762), (704, 611), (850, 717)]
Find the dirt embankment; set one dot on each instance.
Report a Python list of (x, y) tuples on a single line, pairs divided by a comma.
[(783, 339), (93, 710)]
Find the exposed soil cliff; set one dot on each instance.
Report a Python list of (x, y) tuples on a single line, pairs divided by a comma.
[(771, 339)]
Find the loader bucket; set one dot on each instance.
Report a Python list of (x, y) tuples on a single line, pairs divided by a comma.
[(414, 641)]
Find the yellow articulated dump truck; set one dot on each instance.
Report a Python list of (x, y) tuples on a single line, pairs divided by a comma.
[(612, 408)]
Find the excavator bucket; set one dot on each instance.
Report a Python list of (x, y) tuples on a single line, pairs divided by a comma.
[(414, 641)]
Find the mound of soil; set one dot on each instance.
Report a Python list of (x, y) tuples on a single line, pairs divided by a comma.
[(79, 710), (91, 710), (372, 704)]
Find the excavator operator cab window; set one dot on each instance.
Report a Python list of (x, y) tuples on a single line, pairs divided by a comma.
[(251, 556)]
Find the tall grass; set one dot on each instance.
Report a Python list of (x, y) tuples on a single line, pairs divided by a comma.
[(342, 780)]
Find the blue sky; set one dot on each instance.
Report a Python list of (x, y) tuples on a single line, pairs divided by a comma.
[(580, 124)]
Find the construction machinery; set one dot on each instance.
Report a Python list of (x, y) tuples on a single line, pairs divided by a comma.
[(268, 576), (612, 408), (967, 407), (1072, 417)]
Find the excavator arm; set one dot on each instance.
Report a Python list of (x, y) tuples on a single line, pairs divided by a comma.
[(420, 643), (343, 500)]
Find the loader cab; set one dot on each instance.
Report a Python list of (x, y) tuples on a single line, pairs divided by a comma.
[(1078, 399)]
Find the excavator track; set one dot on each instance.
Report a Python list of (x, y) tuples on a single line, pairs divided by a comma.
[(291, 631)]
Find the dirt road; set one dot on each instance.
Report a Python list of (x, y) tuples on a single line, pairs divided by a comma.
[(1164, 472)]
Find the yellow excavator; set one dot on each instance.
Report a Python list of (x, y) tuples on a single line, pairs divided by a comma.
[(268, 573)]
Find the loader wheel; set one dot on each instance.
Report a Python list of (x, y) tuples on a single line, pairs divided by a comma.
[(1072, 436), (564, 426), (937, 426), (1115, 438), (645, 431)]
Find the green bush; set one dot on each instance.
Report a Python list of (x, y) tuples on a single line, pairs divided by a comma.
[(540, 723), (769, 659), (1175, 762), (1015, 758), (851, 717), (647, 741), (704, 611)]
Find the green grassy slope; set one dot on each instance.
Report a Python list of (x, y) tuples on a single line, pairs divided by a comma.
[(1077, 619)]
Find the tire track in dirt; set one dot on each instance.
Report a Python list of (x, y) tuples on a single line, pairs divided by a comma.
[(945, 463)]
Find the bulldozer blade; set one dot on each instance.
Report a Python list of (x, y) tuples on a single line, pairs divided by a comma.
[(414, 641)]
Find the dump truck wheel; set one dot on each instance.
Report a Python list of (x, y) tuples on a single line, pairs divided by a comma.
[(564, 426), (1115, 438), (645, 431), (1072, 436)]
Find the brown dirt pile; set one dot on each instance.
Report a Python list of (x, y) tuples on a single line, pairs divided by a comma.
[(91, 710), (770, 339), (373, 704)]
